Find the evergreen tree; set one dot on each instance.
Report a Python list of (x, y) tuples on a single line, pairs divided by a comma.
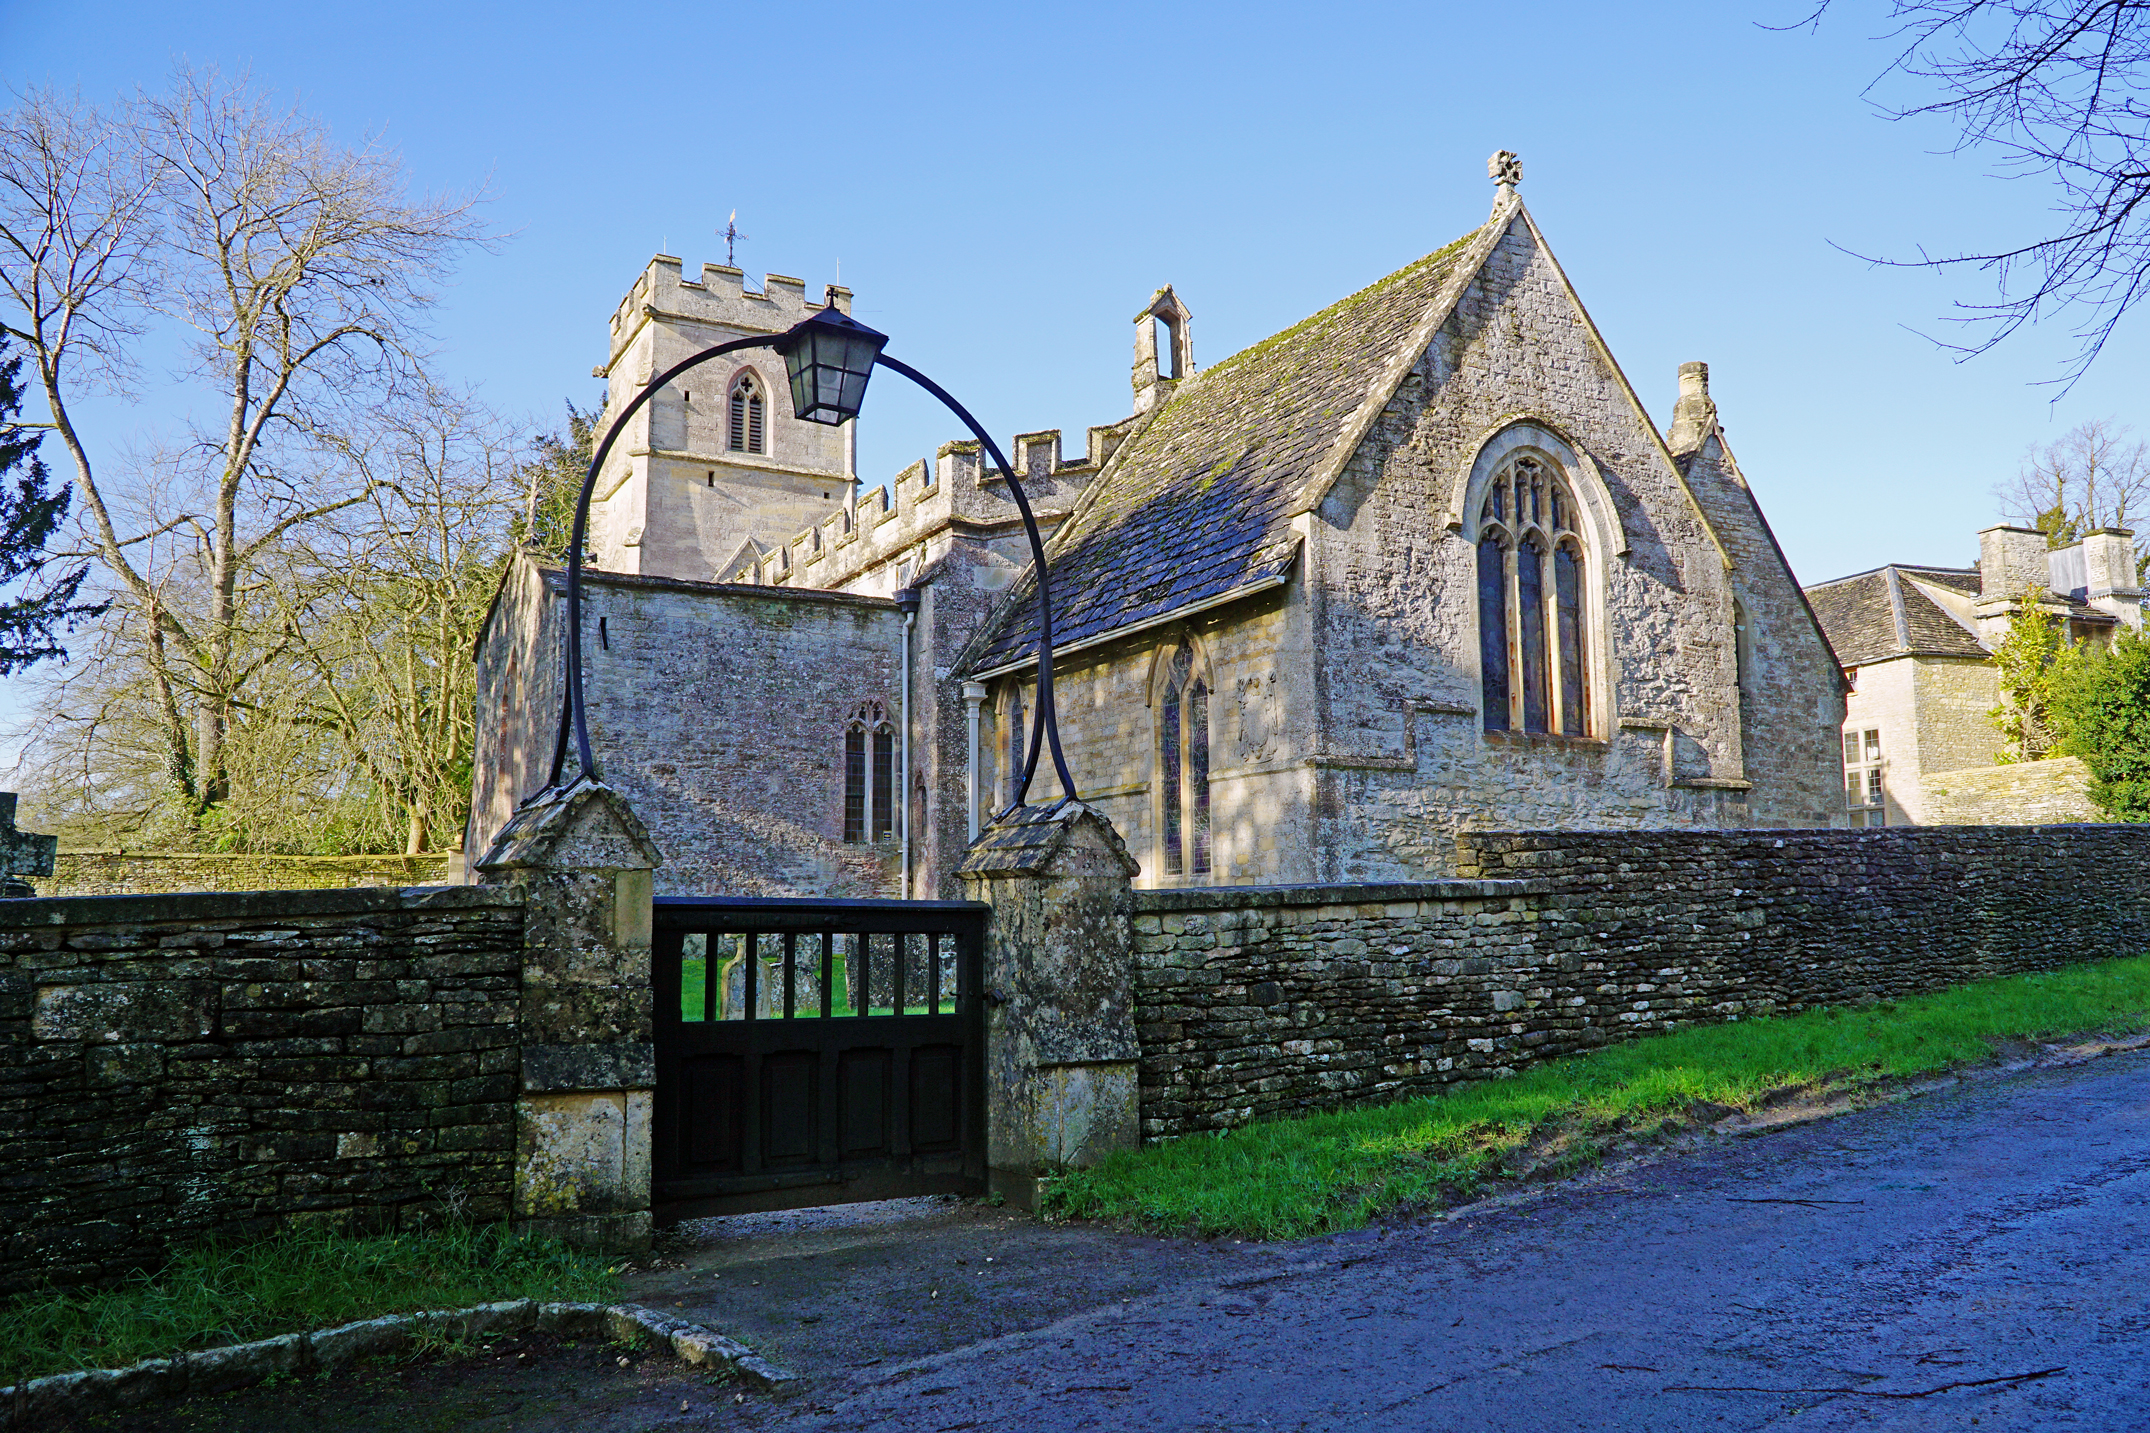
[(33, 604), (552, 480), (2031, 657), (2101, 705)]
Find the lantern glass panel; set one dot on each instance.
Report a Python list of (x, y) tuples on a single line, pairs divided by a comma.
[(829, 358)]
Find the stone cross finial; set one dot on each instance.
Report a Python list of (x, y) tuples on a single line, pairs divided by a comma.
[(22, 853), (1505, 170)]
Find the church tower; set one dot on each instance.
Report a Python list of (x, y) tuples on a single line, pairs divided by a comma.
[(713, 471)]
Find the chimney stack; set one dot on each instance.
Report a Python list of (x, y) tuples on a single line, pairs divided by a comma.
[(2109, 565), (2011, 559)]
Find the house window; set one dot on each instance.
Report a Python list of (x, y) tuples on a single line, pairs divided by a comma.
[(1863, 802), (1532, 654), (869, 775), (746, 417), (1183, 766)]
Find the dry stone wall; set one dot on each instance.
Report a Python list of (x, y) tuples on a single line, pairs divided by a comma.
[(174, 1066), (1260, 1001), (2056, 789)]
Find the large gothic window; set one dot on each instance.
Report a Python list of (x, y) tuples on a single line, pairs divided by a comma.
[(1531, 625), (1183, 766), (746, 427)]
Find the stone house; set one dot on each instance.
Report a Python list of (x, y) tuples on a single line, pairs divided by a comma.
[(1919, 746), (1418, 564)]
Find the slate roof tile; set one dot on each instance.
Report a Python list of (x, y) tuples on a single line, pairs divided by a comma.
[(1878, 615), (1198, 502)]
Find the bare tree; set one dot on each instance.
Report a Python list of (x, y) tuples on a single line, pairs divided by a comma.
[(354, 727), (394, 593), (302, 269), (2094, 475), (2052, 89)]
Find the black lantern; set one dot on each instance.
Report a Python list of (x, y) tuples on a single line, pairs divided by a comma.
[(829, 356)]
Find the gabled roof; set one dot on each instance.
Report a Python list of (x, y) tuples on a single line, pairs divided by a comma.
[(1874, 616), (1196, 506), (1878, 615)]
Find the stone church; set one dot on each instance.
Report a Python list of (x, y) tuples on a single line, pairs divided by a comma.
[(1417, 564)]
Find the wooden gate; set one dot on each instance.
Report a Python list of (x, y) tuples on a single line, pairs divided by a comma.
[(816, 1052)]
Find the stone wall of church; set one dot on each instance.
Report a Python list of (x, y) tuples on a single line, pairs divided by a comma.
[(1260, 792), (1258, 1002), (1791, 694), (519, 661), (1404, 764), (717, 710)]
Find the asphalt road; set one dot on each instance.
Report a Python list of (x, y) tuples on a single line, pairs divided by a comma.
[(1997, 1229), (1801, 1280)]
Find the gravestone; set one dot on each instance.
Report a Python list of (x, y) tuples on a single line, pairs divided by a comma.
[(22, 853)]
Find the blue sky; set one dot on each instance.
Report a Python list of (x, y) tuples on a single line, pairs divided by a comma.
[(1003, 187)]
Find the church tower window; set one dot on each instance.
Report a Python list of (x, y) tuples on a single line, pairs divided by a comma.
[(1182, 772), (746, 417), (1533, 672)]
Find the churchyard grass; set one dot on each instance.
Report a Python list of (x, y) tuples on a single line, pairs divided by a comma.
[(1292, 1177), (306, 1278)]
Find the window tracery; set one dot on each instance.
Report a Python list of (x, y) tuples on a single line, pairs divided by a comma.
[(1532, 641)]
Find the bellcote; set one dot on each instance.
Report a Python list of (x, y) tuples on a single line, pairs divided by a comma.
[(1164, 348)]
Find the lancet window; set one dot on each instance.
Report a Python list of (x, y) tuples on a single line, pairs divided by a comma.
[(747, 425), (1016, 735), (1531, 607), (869, 775), (1182, 771)]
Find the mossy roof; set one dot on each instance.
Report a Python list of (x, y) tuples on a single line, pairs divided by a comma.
[(1198, 503)]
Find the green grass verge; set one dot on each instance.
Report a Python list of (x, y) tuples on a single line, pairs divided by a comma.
[(215, 1294), (1293, 1177)]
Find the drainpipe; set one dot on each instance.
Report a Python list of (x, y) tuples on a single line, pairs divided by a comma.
[(974, 694), (907, 599)]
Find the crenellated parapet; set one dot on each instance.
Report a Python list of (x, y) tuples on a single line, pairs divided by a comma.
[(957, 490), (718, 299)]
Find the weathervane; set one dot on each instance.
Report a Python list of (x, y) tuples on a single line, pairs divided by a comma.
[(731, 237), (1506, 171)]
